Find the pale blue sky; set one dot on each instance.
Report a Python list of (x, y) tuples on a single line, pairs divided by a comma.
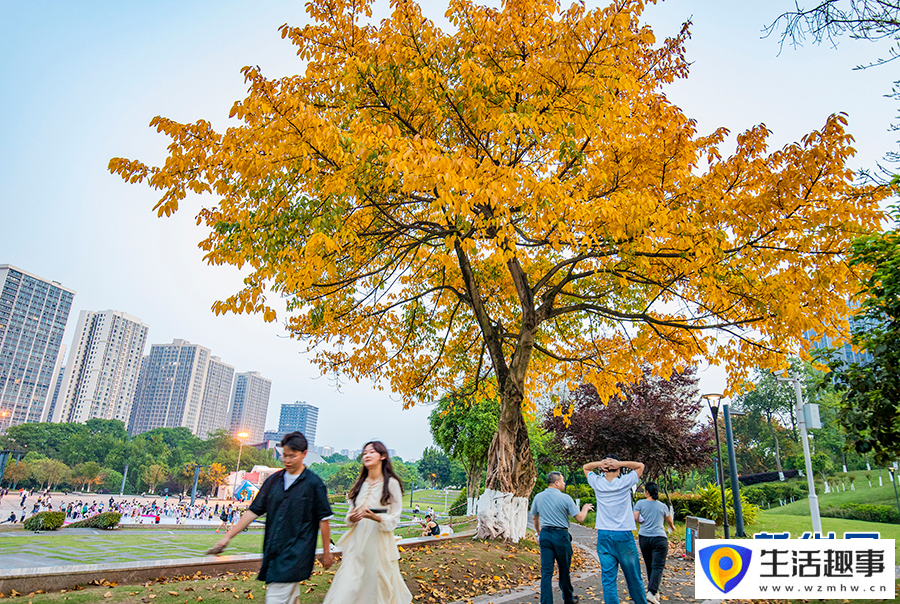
[(79, 82)]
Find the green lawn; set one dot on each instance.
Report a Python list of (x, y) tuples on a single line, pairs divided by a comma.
[(796, 525), (863, 494), (125, 546), (429, 497)]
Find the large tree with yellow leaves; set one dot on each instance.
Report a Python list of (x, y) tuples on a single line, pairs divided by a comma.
[(512, 205)]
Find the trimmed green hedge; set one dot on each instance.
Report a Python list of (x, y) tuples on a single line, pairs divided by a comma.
[(106, 521), (45, 521), (337, 499), (864, 511), (772, 492)]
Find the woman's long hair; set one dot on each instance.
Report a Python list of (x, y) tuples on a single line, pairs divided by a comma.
[(387, 471)]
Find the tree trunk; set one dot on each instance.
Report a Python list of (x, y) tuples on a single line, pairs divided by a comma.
[(503, 507), (473, 481)]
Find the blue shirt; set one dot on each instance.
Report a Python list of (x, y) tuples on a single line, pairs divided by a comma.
[(614, 511), (553, 507)]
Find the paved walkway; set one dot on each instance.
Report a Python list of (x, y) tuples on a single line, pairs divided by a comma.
[(677, 585)]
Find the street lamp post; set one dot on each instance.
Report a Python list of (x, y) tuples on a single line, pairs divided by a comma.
[(713, 401), (804, 439), (732, 472), (197, 479), (241, 436)]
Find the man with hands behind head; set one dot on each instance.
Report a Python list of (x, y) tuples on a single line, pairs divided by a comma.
[(551, 509), (615, 523)]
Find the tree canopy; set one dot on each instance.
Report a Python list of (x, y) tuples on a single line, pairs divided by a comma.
[(511, 204), (653, 421), (870, 390)]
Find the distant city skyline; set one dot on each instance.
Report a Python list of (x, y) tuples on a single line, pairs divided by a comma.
[(84, 90)]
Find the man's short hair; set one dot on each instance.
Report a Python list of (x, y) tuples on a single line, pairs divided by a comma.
[(295, 440), (613, 456), (552, 477), (652, 490)]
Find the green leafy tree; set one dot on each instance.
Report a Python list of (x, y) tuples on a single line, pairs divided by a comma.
[(16, 472), (87, 474), (434, 467), (404, 473), (112, 480), (336, 458), (154, 475), (344, 477), (869, 410), (48, 472), (772, 400), (464, 429)]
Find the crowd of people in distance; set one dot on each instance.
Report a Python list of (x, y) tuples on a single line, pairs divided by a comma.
[(133, 510)]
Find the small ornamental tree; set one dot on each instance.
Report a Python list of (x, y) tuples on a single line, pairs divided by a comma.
[(510, 205), (213, 476), (774, 401), (652, 421), (154, 475), (464, 430)]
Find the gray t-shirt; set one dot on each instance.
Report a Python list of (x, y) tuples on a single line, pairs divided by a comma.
[(654, 515), (553, 507), (614, 511)]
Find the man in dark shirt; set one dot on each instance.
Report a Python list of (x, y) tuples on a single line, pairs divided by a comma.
[(296, 503)]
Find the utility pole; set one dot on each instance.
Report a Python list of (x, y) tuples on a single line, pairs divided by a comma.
[(804, 439)]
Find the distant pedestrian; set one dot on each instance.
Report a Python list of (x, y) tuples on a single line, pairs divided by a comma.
[(615, 523), (551, 510), (652, 538)]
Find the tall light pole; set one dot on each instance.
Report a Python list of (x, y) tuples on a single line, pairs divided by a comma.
[(732, 472), (783, 376), (713, 401), (241, 436)]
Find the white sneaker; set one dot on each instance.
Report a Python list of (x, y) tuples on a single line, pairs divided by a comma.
[(652, 598)]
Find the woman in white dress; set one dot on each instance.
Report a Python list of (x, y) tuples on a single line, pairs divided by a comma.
[(370, 561)]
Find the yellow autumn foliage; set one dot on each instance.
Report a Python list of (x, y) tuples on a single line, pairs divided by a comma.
[(516, 197)]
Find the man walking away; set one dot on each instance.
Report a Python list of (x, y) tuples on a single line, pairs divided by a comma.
[(551, 509), (652, 513), (615, 522)]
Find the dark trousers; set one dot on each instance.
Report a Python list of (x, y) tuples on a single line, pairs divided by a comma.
[(556, 547), (654, 550)]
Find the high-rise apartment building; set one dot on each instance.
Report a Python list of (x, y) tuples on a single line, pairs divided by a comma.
[(249, 404), (170, 388), (216, 397), (102, 372), (59, 369), (299, 416), (33, 316)]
